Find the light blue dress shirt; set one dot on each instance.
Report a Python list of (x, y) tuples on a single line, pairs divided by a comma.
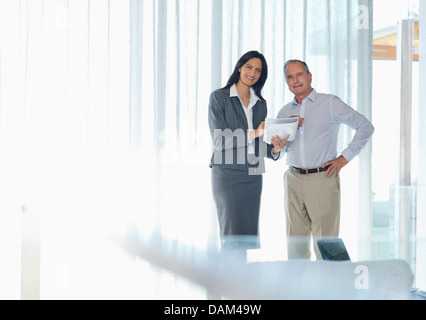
[(316, 141)]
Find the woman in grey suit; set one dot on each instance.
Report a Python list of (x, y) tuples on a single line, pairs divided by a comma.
[(236, 119)]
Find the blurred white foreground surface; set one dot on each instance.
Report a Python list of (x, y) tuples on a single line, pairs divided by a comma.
[(293, 279)]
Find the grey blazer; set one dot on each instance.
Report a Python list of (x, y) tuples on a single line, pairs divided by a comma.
[(228, 129)]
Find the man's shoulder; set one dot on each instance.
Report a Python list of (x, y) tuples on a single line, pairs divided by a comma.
[(324, 95), (289, 105), (285, 109), (321, 97)]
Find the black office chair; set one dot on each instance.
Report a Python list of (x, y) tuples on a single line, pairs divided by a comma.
[(333, 249)]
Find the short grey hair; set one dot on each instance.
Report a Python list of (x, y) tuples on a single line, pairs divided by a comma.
[(289, 62)]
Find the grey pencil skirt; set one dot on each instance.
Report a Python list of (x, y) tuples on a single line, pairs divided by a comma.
[(237, 196)]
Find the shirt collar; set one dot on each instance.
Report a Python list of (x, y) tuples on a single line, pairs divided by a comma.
[(312, 96), (234, 93)]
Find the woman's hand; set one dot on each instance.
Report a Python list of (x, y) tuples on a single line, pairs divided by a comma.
[(278, 144), (258, 132)]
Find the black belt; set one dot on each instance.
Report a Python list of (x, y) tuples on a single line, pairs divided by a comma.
[(308, 171)]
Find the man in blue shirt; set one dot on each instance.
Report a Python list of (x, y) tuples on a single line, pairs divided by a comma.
[(312, 182)]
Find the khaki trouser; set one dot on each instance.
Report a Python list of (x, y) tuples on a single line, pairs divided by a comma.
[(312, 207)]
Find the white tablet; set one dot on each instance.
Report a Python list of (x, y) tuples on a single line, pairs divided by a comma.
[(280, 127)]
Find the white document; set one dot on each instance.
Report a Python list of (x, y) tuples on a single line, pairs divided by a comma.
[(280, 127)]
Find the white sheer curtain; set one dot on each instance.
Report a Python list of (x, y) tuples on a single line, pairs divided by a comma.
[(103, 110)]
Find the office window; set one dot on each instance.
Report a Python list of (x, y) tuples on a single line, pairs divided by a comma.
[(104, 119)]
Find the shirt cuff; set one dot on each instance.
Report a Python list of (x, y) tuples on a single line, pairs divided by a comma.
[(348, 154), (276, 156), (248, 137)]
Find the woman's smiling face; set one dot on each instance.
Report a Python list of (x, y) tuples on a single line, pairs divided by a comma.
[(251, 71)]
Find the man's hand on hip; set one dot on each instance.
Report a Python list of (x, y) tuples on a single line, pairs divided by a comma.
[(335, 166)]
